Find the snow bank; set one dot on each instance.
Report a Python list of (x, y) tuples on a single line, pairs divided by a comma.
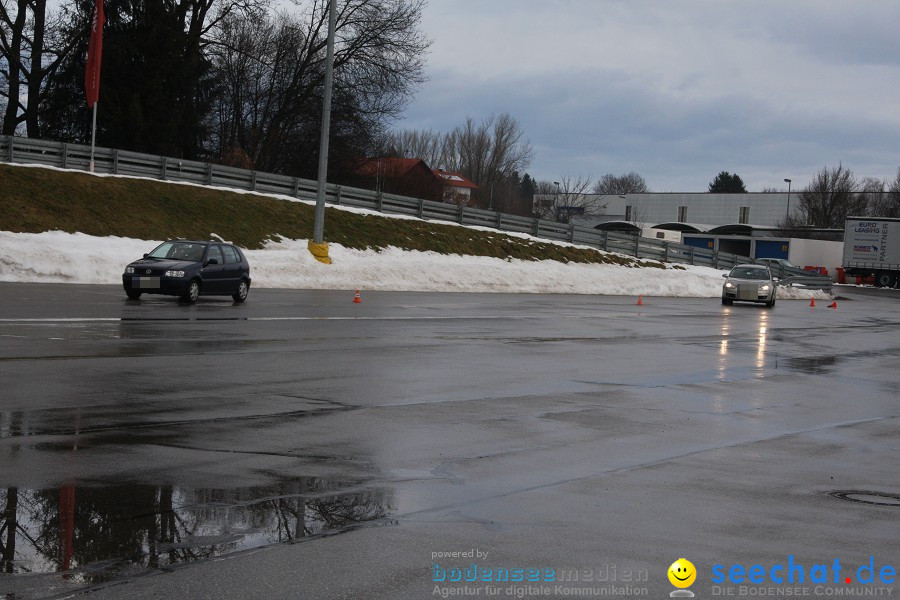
[(56, 256)]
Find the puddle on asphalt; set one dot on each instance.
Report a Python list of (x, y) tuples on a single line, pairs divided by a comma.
[(96, 534), (813, 365)]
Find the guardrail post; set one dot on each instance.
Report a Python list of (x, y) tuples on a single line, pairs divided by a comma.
[(421, 208), (499, 220), (253, 181), (165, 166), (462, 211), (715, 258), (64, 155), (637, 246), (536, 227), (337, 195), (209, 174), (379, 201), (296, 187), (572, 233), (665, 251), (115, 161), (692, 255), (11, 138)]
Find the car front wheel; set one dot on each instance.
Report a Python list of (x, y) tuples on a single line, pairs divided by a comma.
[(241, 294), (727, 301), (133, 294), (192, 292)]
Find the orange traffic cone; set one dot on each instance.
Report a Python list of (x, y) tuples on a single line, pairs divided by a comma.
[(833, 304), (357, 299), (640, 301), (812, 302)]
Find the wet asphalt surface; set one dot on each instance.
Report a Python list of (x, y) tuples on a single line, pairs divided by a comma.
[(152, 449)]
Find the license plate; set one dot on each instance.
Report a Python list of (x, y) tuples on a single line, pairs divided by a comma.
[(146, 282), (748, 292)]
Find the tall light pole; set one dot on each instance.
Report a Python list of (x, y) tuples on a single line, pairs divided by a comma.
[(317, 245), (787, 211), (556, 202)]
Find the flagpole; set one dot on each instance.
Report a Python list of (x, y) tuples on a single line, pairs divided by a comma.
[(93, 135), (92, 70)]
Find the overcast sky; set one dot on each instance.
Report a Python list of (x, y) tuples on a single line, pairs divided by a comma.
[(676, 90)]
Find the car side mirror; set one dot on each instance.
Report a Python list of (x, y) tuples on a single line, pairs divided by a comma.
[(146, 255), (212, 261), (724, 274)]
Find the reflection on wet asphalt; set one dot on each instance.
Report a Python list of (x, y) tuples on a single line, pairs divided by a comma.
[(139, 436), (97, 533)]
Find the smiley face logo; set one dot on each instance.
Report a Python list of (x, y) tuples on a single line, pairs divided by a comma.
[(682, 573)]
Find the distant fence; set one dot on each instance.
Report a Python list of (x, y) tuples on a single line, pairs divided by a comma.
[(122, 162)]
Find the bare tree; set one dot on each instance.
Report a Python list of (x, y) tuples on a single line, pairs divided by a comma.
[(562, 200), (33, 42), (488, 153), (428, 145), (887, 202), (491, 153), (832, 195), (872, 193), (274, 72), (13, 20), (546, 194), (630, 183)]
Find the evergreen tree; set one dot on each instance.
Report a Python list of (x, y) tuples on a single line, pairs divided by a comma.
[(526, 189), (726, 183)]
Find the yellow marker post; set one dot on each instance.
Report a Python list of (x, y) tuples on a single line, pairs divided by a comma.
[(319, 251)]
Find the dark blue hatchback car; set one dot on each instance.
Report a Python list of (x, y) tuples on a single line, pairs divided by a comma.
[(187, 269)]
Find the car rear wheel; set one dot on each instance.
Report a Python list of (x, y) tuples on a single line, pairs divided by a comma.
[(192, 292), (243, 289)]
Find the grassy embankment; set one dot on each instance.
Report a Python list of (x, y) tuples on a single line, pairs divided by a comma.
[(33, 200)]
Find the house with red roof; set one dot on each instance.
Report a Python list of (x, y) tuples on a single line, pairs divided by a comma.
[(413, 177), (457, 188)]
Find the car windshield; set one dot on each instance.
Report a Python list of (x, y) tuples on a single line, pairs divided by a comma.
[(191, 251), (749, 273)]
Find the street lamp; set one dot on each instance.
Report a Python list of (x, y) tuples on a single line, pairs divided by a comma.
[(317, 245), (787, 211), (556, 201)]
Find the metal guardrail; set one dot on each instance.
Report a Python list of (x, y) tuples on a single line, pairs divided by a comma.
[(122, 162), (813, 283), (800, 277)]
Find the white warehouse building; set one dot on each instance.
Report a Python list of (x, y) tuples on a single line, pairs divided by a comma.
[(744, 224), (766, 209)]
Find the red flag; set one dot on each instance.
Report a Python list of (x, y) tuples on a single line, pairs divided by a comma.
[(95, 53)]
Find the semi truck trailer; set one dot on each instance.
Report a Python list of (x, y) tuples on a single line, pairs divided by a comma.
[(872, 249)]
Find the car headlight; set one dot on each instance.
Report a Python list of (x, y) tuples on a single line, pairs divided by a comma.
[(729, 285), (764, 288), (129, 270), (174, 273)]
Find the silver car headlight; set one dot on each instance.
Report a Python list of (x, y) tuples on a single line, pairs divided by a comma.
[(174, 273), (764, 288), (129, 270), (729, 285)]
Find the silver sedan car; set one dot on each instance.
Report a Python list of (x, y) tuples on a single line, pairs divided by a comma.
[(749, 283)]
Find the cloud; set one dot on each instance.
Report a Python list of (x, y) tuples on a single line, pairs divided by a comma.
[(676, 91)]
